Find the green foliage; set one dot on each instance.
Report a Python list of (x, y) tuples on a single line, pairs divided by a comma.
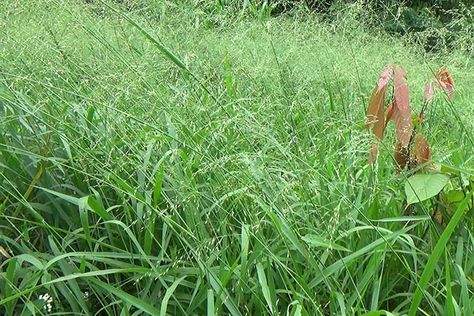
[(421, 187), (202, 158), (436, 254)]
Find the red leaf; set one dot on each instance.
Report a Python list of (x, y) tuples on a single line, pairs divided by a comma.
[(402, 112), (421, 150), (401, 156), (429, 91), (385, 77), (375, 119), (404, 127), (445, 81), (438, 217), (375, 112), (401, 90), (389, 115)]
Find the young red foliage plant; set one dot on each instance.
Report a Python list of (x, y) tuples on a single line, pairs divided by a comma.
[(402, 156), (402, 111), (421, 150), (399, 109), (429, 91), (445, 81), (411, 149)]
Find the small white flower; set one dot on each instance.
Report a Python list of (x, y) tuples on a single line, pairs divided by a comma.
[(48, 300)]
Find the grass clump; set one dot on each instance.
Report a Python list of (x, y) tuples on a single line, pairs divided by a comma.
[(231, 178)]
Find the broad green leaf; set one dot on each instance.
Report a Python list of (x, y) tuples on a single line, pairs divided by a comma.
[(421, 187), (454, 196)]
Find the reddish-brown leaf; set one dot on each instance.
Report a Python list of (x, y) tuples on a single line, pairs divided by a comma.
[(445, 81), (429, 91), (401, 156), (385, 77), (375, 119), (389, 115), (375, 112), (402, 112), (379, 126), (401, 90), (404, 127), (438, 217), (421, 150)]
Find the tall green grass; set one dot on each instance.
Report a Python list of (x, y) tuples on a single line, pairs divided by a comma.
[(189, 158)]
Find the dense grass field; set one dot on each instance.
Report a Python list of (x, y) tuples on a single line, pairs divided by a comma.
[(195, 158)]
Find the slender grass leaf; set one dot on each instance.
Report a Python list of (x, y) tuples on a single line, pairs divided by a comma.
[(127, 298), (449, 292), (437, 251), (168, 294), (210, 303), (262, 279), (318, 241)]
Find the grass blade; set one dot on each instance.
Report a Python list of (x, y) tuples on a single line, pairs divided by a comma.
[(436, 254), (210, 302), (127, 298), (262, 279), (169, 292)]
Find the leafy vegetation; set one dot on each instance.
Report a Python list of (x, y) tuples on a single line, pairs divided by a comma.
[(205, 158)]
